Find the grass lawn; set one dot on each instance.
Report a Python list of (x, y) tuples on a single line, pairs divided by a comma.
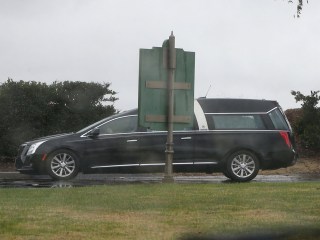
[(157, 211)]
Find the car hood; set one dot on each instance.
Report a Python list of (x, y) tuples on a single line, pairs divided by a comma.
[(51, 137)]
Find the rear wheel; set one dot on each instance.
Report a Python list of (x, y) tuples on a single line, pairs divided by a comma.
[(62, 165), (242, 166)]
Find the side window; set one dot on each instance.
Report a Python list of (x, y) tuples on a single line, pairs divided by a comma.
[(278, 120), (120, 125), (239, 121)]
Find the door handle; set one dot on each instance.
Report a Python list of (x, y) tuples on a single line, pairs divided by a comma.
[(132, 140), (186, 138)]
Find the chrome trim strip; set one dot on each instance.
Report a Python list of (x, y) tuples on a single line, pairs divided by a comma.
[(183, 163), (186, 138), (153, 164), (201, 163), (111, 166)]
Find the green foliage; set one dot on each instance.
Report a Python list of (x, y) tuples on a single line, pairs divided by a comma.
[(308, 126), (31, 109)]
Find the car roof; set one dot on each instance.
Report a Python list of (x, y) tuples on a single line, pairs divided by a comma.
[(226, 105), (232, 105), (127, 113)]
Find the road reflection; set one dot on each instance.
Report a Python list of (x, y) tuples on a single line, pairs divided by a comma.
[(16, 180)]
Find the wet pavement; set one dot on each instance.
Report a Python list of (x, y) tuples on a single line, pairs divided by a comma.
[(17, 180)]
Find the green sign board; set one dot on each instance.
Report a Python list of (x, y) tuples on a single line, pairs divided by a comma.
[(153, 93)]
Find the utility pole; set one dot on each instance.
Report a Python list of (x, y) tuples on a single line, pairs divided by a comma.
[(171, 74)]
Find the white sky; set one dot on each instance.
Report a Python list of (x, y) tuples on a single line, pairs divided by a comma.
[(244, 48)]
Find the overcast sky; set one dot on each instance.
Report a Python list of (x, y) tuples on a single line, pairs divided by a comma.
[(244, 48)]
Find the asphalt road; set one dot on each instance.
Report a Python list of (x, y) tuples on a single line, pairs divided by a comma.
[(17, 180)]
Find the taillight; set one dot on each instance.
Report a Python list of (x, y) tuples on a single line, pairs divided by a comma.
[(286, 138)]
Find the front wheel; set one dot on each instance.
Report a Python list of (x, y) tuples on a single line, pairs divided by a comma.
[(62, 165), (242, 166)]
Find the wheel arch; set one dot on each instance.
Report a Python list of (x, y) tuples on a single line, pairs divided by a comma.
[(62, 164), (61, 148), (238, 149), (242, 165)]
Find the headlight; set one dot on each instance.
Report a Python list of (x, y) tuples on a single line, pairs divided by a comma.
[(34, 147)]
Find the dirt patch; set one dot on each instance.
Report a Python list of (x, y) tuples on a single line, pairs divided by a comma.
[(303, 166), (7, 166)]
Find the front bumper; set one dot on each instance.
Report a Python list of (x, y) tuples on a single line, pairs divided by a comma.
[(28, 164), (25, 167)]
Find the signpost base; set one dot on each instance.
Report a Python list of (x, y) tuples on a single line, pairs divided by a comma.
[(168, 179)]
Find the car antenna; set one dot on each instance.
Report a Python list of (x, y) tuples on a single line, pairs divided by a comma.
[(207, 91)]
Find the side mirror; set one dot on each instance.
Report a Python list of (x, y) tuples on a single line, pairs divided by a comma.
[(94, 133)]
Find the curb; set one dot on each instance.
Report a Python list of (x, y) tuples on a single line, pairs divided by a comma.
[(19, 176)]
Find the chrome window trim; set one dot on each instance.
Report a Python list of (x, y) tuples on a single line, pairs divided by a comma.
[(201, 119), (241, 113), (246, 130), (195, 131), (272, 110)]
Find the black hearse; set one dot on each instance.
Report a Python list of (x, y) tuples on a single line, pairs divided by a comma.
[(234, 136)]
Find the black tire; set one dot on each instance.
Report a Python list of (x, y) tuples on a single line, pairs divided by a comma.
[(62, 165), (242, 166)]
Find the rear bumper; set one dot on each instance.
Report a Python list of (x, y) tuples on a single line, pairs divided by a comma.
[(281, 159)]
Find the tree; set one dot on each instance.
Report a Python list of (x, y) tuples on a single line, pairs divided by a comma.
[(79, 104), (21, 107), (30, 110), (308, 126), (299, 6)]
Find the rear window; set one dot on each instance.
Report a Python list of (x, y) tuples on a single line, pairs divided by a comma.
[(278, 120), (238, 121)]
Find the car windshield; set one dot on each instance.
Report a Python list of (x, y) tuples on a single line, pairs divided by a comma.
[(94, 124)]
